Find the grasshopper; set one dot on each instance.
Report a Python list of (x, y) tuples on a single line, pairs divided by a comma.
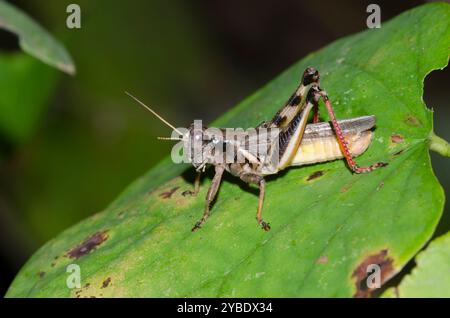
[(297, 143)]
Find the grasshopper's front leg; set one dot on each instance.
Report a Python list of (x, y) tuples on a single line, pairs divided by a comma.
[(196, 186), (212, 191)]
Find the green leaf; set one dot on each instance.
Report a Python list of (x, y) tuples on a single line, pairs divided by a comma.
[(34, 39), (25, 88), (325, 230), (430, 277)]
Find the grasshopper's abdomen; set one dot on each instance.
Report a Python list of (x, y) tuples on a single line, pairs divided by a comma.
[(327, 148), (319, 142)]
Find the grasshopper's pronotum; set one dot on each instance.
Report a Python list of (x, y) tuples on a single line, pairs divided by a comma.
[(297, 143)]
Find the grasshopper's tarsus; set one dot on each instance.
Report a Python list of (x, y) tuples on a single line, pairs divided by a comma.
[(265, 226), (359, 170), (197, 226), (189, 193)]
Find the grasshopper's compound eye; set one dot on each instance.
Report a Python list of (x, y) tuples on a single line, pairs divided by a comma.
[(197, 135)]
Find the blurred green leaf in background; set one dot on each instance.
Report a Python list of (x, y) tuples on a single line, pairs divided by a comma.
[(25, 83), (26, 86), (35, 40)]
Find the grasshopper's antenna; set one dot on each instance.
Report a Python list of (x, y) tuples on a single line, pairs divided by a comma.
[(168, 138), (154, 113)]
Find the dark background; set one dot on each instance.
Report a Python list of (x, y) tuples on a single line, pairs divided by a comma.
[(188, 59)]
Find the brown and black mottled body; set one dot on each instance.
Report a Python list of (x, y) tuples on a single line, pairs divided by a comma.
[(291, 120)]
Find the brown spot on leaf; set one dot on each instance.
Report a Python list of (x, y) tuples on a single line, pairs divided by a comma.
[(361, 275), (412, 121), (168, 194), (344, 189), (106, 282), (397, 139), (399, 152), (41, 274), (322, 260), (347, 187), (88, 245), (315, 175)]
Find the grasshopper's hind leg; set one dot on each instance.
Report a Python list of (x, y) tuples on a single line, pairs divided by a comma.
[(212, 191), (258, 180), (315, 112), (343, 143)]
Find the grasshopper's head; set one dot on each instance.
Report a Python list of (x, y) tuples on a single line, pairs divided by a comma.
[(194, 141), (201, 143)]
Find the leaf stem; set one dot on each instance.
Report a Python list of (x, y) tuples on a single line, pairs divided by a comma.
[(439, 145)]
